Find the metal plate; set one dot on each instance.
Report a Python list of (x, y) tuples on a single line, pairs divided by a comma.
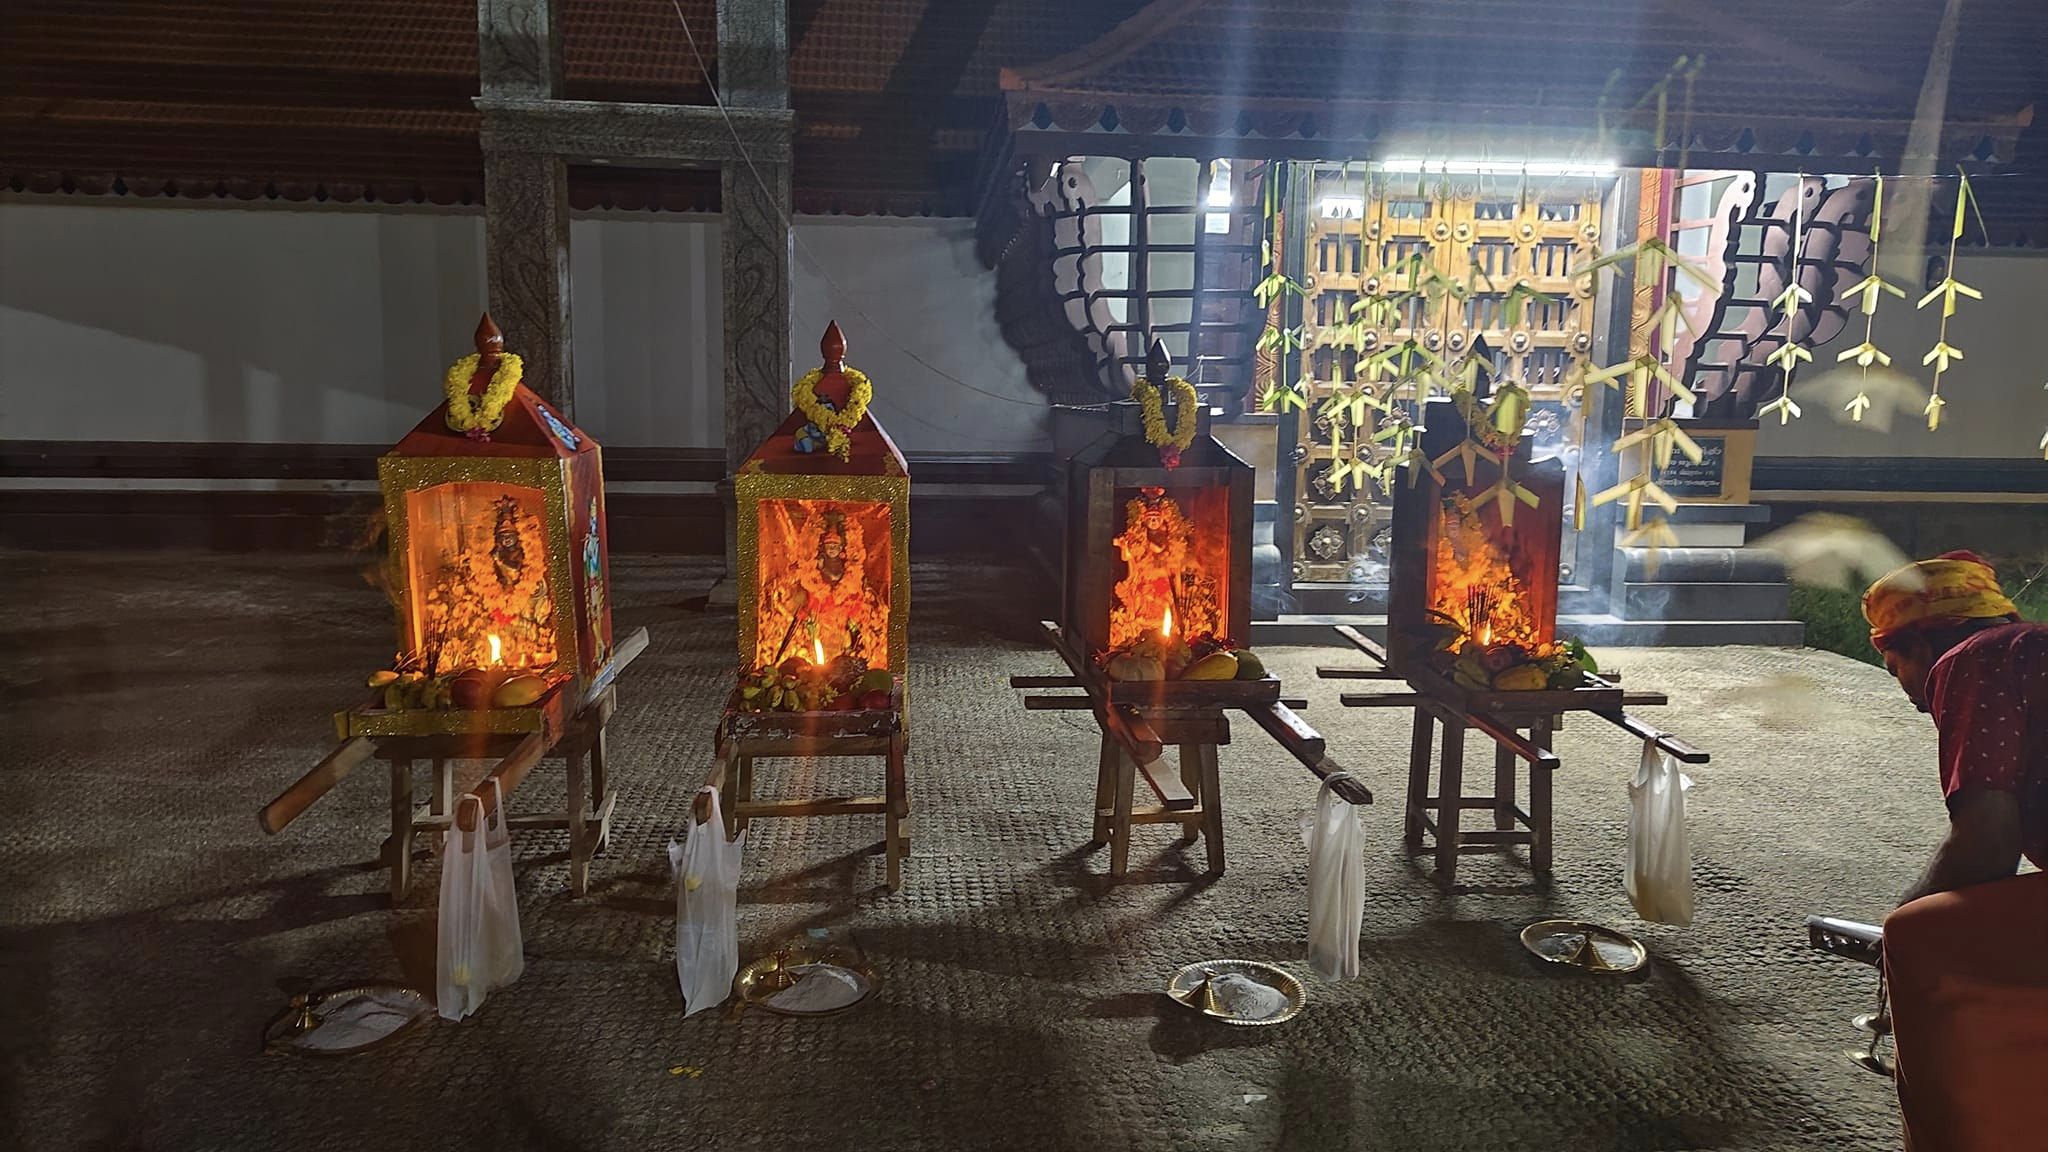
[(758, 983), (1186, 988), (298, 1029), (1583, 946)]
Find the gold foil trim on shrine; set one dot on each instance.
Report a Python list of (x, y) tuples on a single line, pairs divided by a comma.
[(401, 476), (751, 487)]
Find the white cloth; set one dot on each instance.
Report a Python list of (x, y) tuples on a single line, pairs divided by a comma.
[(1336, 883), (1659, 872), (479, 940), (707, 868)]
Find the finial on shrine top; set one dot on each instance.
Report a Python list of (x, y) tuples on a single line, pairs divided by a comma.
[(1158, 365), (833, 346), (490, 343)]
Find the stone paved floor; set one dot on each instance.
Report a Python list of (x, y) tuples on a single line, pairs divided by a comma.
[(149, 929)]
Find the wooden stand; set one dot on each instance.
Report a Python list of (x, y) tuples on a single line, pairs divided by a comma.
[(744, 737), (496, 734), (1138, 721), (1521, 725)]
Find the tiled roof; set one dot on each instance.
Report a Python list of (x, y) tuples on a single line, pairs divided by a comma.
[(305, 99), (308, 98)]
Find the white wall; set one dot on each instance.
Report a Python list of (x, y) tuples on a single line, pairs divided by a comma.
[(919, 315), (1997, 407), (125, 321)]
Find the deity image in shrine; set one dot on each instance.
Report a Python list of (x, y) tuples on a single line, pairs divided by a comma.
[(825, 589), (1165, 586)]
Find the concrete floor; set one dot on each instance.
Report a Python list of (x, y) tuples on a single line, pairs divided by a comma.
[(153, 703)]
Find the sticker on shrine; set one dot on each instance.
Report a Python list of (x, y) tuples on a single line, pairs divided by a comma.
[(563, 432)]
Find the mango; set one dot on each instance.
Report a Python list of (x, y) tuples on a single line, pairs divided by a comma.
[(384, 676), (1214, 666), (1522, 678), (520, 691), (875, 680), (1249, 666)]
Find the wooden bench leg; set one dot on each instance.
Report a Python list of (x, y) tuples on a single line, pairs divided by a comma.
[(1191, 779), (742, 791), (600, 787), (1503, 788), (1212, 807), (898, 802), (1105, 789), (1120, 821), (442, 802), (1450, 789), (399, 847), (1539, 805), (1420, 745), (579, 840), (729, 788)]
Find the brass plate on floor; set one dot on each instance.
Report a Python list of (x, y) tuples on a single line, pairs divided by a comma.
[(346, 1021), (762, 983), (1586, 947), (1189, 989)]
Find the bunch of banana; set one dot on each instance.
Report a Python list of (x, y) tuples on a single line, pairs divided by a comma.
[(773, 690), (398, 691)]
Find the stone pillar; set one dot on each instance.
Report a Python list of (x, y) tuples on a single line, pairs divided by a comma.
[(519, 50), (755, 246), (526, 199), (755, 249), (526, 250)]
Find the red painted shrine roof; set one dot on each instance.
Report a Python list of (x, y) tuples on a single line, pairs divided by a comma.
[(530, 429), (870, 452), (371, 100)]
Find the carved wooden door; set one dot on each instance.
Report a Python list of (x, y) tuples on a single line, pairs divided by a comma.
[(1363, 233)]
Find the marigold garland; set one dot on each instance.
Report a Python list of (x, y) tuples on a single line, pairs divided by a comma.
[(1187, 402), (480, 414), (835, 424)]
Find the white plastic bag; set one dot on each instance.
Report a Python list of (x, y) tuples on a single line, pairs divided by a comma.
[(1659, 877), (707, 868), (1336, 883), (480, 947)]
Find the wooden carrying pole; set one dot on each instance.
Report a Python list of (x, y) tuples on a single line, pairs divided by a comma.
[(508, 773), (1306, 745), (314, 784)]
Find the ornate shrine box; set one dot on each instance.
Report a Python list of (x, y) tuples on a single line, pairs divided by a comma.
[(1154, 549), (1456, 561), (824, 542), (497, 552)]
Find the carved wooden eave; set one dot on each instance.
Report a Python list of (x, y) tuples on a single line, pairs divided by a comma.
[(1156, 86)]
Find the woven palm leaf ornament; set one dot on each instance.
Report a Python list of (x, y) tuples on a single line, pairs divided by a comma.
[(1868, 293), (1789, 354), (1943, 353)]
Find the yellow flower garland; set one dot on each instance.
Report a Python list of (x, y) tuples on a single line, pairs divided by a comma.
[(1185, 398), (835, 425), (484, 413)]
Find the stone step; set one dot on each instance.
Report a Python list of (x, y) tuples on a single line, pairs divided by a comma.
[(1728, 601), (1701, 566)]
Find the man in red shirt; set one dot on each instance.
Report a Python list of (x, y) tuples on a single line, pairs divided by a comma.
[(1966, 953)]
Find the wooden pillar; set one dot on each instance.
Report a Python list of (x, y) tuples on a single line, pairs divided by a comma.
[(526, 198)]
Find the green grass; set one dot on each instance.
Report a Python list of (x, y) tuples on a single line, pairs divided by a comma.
[(1834, 616)]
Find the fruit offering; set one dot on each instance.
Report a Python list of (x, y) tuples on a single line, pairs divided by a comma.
[(1557, 665), (409, 689), (1158, 657), (843, 684)]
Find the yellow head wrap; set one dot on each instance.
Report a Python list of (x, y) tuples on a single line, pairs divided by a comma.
[(1951, 587)]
